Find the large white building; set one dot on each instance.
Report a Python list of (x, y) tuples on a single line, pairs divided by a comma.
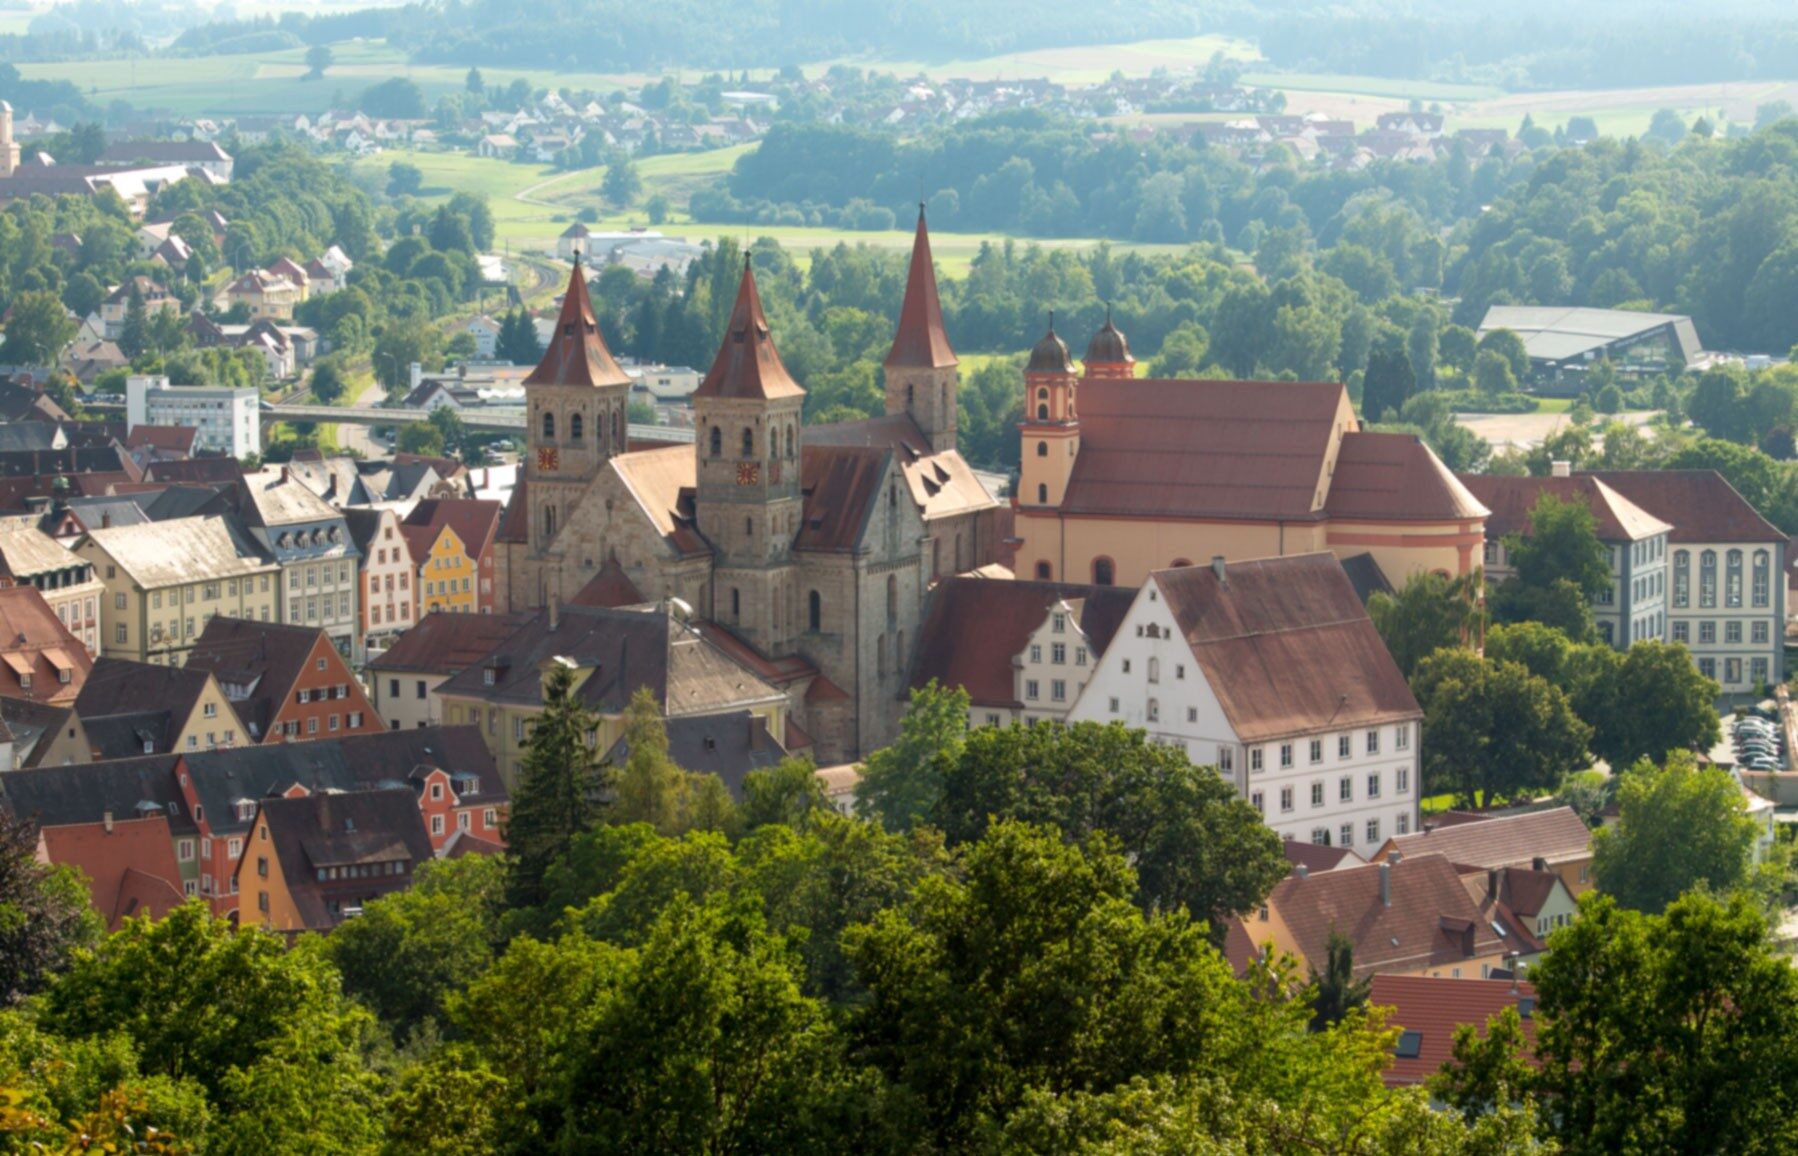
[(228, 419), (1271, 671), (1691, 562)]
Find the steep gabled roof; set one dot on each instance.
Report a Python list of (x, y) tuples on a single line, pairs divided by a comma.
[(1428, 922), (921, 342), (1513, 500), (86, 792), (265, 658), (976, 626), (577, 353), (1701, 505), (1286, 645), (363, 829), (610, 587), (447, 642), (1396, 477), (748, 365), (1428, 1009), (1202, 449), (726, 745), (474, 521), (129, 863)]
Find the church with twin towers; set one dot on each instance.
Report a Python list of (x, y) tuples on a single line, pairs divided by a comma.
[(806, 551)]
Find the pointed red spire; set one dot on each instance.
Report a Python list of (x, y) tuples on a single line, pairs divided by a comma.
[(921, 341), (577, 353), (748, 365)]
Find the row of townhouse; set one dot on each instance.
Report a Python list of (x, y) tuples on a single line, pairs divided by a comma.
[(292, 837)]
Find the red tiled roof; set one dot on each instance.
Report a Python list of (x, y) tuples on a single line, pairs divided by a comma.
[(1215, 449), (976, 626), (1512, 500), (610, 587), (1317, 857), (131, 869), (1286, 644), (662, 481), (1434, 1007), (1556, 835), (1391, 476), (921, 341), (515, 523), (577, 353), (34, 642), (448, 642), (178, 439), (1426, 924), (1701, 504), (841, 485), (748, 365), (474, 520)]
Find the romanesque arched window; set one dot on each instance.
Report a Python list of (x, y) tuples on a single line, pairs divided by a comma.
[(617, 429), (1043, 572), (748, 442), (549, 522), (1763, 588), (1104, 572), (717, 442), (815, 611), (1042, 494), (736, 604), (1733, 581), (1682, 578), (549, 425), (1042, 449), (892, 598), (575, 428), (1707, 578)]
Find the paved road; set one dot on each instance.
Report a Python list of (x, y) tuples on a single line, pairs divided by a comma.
[(361, 438), (1526, 430)]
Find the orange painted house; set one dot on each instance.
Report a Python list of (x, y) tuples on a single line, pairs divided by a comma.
[(287, 683)]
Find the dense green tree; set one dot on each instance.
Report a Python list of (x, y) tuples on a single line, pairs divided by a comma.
[(517, 340), (1336, 991), (902, 783), (1493, 730), (1033, 969), (1561, 554), (1669, 1033), (788, 792), (420, 437), (560, 785), (398, 98), (37, 330), (1679, 827), (328, 382), (1655, 702), (1387, 384), (408, 951), (44, 913), (1193, 841), (622, 184), (1428, 613), (319, 57)]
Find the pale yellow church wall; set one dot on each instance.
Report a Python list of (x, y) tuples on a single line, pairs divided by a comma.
[(1138, 547), (1406, 549)]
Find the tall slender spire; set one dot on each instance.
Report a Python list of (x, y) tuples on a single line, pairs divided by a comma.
[(921, 342), (748, 365), (577, 353)]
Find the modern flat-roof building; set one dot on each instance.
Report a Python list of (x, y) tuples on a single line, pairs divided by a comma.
[(1563, 341), (227, 418)]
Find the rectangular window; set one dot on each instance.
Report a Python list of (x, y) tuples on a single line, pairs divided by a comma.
[(1402, 824), (355, 720), (1345, 789), (1758, 667), (1058, 653), (1317, 750), (1080, 656), (1707, 667), (1707, 633), (1373, 832), (1320, 836), (1059, 623), (1036, 652), (1682, 632), (1285, 755), (1317, 793), (1732, 670), (233, 848), (1256, 801), (419, 691), (1401, 737), (312, 726), (1760, 634), (1255, 760), (1732, 633), (262, 865), (1030, 688), (1342, 746), (436, 824), (184, 850), (1373, 742), (334, 721), (1058, 690), (464, 821), (1373, 784), (1114, 706), (1401, 780), (1192, 714), (1347, 834), (1285, 798)]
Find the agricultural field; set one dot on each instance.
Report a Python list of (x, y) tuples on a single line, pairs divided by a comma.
[(532, 204)]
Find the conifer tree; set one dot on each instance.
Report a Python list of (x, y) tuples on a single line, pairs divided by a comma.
[(559, 789)]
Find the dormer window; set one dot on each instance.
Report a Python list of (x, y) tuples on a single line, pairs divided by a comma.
[(489, 676)]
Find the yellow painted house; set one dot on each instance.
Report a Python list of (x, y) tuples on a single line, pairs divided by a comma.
[(451, 543)]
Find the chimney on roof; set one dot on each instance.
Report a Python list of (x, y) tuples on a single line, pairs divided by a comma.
[(106, 819), (1492, 884), (1561, 469), (1302, 871), (555, 613), (1385, 885), (1217, 566), (284, 474), (105, 520), (1394, 856), (1538, 864)]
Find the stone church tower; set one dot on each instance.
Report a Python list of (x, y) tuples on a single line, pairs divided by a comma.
[(921, 374), (577, 400), (746, 416)]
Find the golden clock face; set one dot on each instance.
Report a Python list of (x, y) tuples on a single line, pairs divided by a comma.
[(748, 473), (546, 458)]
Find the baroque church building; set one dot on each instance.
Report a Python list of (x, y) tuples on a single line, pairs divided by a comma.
[(806, 552)]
